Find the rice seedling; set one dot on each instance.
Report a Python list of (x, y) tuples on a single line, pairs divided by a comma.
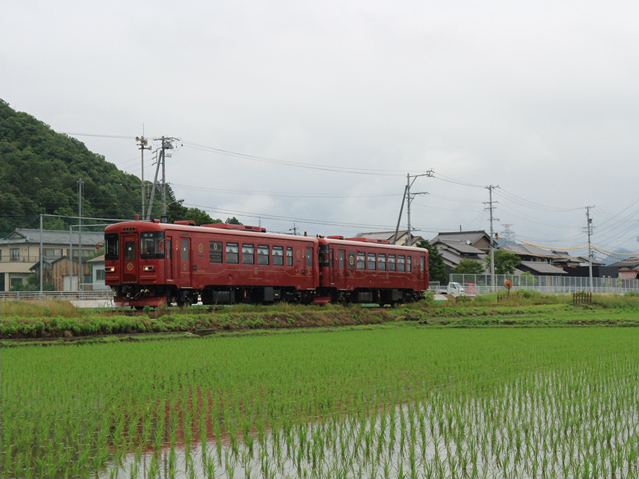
[(402, 402)]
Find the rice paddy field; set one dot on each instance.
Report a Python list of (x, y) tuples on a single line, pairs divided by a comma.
[(390, 401)]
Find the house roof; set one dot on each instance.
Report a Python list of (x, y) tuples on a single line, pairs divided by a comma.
[(585, 261), (460, 246), (626, 263), (97, 259), (529, 250), (24, 236), (540, 267), (468, 237)]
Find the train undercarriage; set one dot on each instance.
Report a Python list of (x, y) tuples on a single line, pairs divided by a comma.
[(139, 296)]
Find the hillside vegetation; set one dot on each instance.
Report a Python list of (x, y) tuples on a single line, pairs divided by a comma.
[(39, 173)]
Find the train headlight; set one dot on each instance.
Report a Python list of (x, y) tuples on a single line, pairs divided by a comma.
[(148, 268), (109, 269)]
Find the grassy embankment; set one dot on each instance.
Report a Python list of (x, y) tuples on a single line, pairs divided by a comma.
[(60, 320)]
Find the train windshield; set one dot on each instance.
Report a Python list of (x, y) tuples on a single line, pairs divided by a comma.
[(112, 246), (152, 245)]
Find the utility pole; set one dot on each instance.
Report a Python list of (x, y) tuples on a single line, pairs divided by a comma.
[(490, 208), (166, 143), (408, 198), (294, 229), (79, 235), (589, 229), (142, 145)]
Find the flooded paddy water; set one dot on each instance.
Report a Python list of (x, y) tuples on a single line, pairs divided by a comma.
[(545, 425)]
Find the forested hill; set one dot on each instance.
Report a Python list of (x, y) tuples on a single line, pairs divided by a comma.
[(39, 172)]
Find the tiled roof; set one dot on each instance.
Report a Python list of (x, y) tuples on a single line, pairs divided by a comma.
[(461, 247), (463, 236), (540, 267)]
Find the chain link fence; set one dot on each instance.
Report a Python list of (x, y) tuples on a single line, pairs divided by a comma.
[(481, 283)]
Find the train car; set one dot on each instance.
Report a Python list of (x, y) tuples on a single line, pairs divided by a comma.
[(360, 270), (150, 263)]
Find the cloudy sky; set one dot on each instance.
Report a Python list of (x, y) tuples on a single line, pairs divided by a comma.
[(312, 113)]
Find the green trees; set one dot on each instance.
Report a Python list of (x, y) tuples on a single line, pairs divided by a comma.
[(436, 267), (505, 262), (469, 266)]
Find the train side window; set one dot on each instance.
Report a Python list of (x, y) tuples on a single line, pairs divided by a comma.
[(421, 264), (371, 261), (391, 262), (168, 249), (381, 262), (401, 260), (278, 255), (289, 256), (361, 260), (129, 250), (248, 254), (215, 251), (409, 266), (331, 259), (309, 257), (262, 254), (341, 259), (232, 253), (351, 260), (112, 246)]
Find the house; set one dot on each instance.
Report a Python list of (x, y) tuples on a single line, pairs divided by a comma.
[(20, 251), (402, 237), (97, 266), (477, 239), (62, 273), (458, 245), (537, 261), (626, 269)]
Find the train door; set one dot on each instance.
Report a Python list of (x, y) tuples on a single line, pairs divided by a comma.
[(185, 262), (168, 262), (130, 244), (309, 261), (331, 268), (340, 269)]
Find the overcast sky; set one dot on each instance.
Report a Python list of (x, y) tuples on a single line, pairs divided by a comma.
[(539, 98)]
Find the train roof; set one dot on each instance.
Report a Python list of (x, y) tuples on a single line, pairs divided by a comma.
[(367, 243), (218, 228)]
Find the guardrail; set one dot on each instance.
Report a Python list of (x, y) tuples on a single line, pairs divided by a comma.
[(55, 295)]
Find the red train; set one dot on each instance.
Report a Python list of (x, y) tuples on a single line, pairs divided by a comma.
[(149, 263)]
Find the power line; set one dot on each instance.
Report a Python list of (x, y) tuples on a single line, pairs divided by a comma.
[(277, 194), (262, 159)]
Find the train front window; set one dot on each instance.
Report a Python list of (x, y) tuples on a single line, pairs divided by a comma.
[(152, 245), (112, 246)]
